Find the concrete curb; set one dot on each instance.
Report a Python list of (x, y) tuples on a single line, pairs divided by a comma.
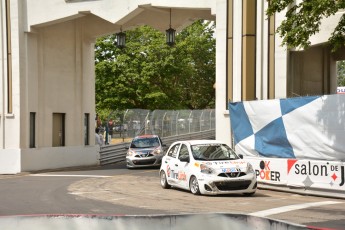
[(303, 191)]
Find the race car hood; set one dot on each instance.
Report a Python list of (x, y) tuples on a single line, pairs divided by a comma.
[(226, 166)]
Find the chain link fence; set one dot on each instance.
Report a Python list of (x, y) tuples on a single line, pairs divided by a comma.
[(122, 126)]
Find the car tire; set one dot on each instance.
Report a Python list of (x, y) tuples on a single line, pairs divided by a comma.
[(249, 194), (164, 180), (194, 185)]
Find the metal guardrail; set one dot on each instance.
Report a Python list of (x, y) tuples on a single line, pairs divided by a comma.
[(110, 154)]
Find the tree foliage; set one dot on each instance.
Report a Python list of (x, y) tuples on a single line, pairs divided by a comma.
[(148, 74), (304, 19), (341, 73)]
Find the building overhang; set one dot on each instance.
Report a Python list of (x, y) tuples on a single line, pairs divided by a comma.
[(117, 14)]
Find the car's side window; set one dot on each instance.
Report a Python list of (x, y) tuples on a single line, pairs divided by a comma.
[(183, 152), (173, 151)]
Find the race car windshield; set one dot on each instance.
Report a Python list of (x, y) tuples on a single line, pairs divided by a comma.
[(145, 143), (213, 152)]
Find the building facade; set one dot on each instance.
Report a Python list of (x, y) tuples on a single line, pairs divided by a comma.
[(48, 78), (252, 64)]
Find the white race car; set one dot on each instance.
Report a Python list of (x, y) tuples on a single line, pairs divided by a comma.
[(206, 167)]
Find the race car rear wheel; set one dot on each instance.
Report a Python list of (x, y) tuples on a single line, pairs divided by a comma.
[(194, 186), (164, 181)]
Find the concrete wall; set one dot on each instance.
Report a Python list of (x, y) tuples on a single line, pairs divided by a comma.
[(160, 222), (59, 157), (311, 72), (59, 79), (62, 81)]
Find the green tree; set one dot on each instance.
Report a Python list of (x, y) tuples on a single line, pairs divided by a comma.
[(148, 74), (341, 73), (304, 19), (196, 46)]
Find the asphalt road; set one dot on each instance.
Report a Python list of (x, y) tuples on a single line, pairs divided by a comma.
[(115, 190)]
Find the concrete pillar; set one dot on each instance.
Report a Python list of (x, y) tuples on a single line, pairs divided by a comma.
[(248, 49)]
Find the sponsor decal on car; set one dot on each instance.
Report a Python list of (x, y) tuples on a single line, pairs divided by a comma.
[(229, 170), (225, 162), (182, 176), (168, 170)]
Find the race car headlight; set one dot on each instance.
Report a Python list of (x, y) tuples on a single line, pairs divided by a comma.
[(206, 169), (130, 153), (250, 168)]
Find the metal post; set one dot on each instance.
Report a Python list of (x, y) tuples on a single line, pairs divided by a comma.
[(122, 127), (163, 123), (146, 119), (202, 113), (171, 127), (177, 123), (107, 134), (189, 121)]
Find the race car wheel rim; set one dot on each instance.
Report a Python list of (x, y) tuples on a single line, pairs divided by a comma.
[(163, 179), (194, 185)]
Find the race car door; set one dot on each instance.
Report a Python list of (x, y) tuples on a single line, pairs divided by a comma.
[(172, 164), (183, 166)]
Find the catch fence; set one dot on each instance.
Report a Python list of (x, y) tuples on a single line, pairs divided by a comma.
[(122, 126)]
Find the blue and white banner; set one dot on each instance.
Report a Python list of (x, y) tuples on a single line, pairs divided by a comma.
[(303, 128)]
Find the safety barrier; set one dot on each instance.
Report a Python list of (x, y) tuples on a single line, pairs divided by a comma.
[(218, 221), (110, 154), (307, 177)]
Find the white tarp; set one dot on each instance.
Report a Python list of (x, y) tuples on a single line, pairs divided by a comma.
[(303, 128)]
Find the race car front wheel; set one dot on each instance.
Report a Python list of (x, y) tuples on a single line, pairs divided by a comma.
[(194, 185), (164, 181)]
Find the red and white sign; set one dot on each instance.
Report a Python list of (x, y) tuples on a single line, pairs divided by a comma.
[(341, 90), (329, 175)]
